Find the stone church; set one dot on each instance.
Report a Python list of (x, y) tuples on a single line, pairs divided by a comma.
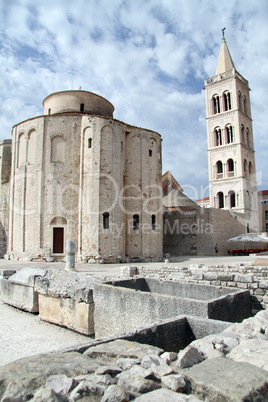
[(79, 174)]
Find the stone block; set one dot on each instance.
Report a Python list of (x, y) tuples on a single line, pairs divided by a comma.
[(189, 357), (194, 267), (263, 284), (246, 278), (210, 276), (78, 316), (221, 379), (161, 395), (129, 271), (20, 296), (18, 290)]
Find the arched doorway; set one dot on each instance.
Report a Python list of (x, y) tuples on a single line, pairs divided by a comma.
[(58, 225)]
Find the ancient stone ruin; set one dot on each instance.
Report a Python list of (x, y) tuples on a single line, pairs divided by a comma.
[(154, 339)]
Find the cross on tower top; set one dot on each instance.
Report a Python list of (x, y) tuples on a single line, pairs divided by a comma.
[(223, 32)]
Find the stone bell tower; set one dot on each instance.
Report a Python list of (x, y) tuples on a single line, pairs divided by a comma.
[(231, 159)]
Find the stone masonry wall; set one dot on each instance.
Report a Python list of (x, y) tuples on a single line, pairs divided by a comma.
[(197, 231), (253, 278)]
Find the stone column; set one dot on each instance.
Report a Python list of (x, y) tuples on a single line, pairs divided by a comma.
[(70, 255)]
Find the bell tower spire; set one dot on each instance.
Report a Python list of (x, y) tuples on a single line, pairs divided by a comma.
[(225, 62), (231, 155)]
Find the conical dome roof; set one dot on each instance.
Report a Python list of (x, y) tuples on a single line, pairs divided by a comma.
[(225, 62)]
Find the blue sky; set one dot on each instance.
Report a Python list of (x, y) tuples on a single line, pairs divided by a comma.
[(149, 58)]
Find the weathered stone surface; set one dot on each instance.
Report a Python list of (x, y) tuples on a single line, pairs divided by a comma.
[(252, 351), (61, 384), (19, 295), (26, 276), (18, 290), (88, 389), (161, 371), (189, 357), (105, 379), (165, 395), (222, 379), (115, 394), (33, 372), (175, 382), (169, 357), (67, 312), (46, 395), (147, 300), (67, 284), (15, 392), (220, 344), (246, 278), (138, 384), (149, 361), (122, 348), (254, 327), (126, 364), (111, 370), (135, 371)]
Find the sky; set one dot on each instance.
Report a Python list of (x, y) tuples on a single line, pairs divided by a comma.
[(149, 58)]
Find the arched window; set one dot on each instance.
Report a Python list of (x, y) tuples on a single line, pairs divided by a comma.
[(229, 134), (245, 104), (82, 107), (31, 147), (219, 170), (220, 200), (89, 143), (230, 165), (240, 100), (218, 136), (247, 137), (216, 104), (242, 133), (248, 199), (250, 168), (232, 198), (136, 222), (153, 222), (105, 219), (227, 101), (245, 166), (57, 149), (21, 150)]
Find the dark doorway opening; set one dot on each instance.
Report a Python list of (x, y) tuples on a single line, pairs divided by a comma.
[(58, 240)]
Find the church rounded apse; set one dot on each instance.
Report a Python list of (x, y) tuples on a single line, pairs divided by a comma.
[(77, 173)]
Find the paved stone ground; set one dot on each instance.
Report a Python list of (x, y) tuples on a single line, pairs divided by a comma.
[(23, 334)]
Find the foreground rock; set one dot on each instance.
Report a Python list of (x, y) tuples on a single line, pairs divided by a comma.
[(245, 342), (32, 373), (221, 379), (122, 370)]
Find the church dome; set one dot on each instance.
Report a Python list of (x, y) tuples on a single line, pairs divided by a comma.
[(77, 101)]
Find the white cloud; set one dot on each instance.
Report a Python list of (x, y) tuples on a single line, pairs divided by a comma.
[(148, 57)]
